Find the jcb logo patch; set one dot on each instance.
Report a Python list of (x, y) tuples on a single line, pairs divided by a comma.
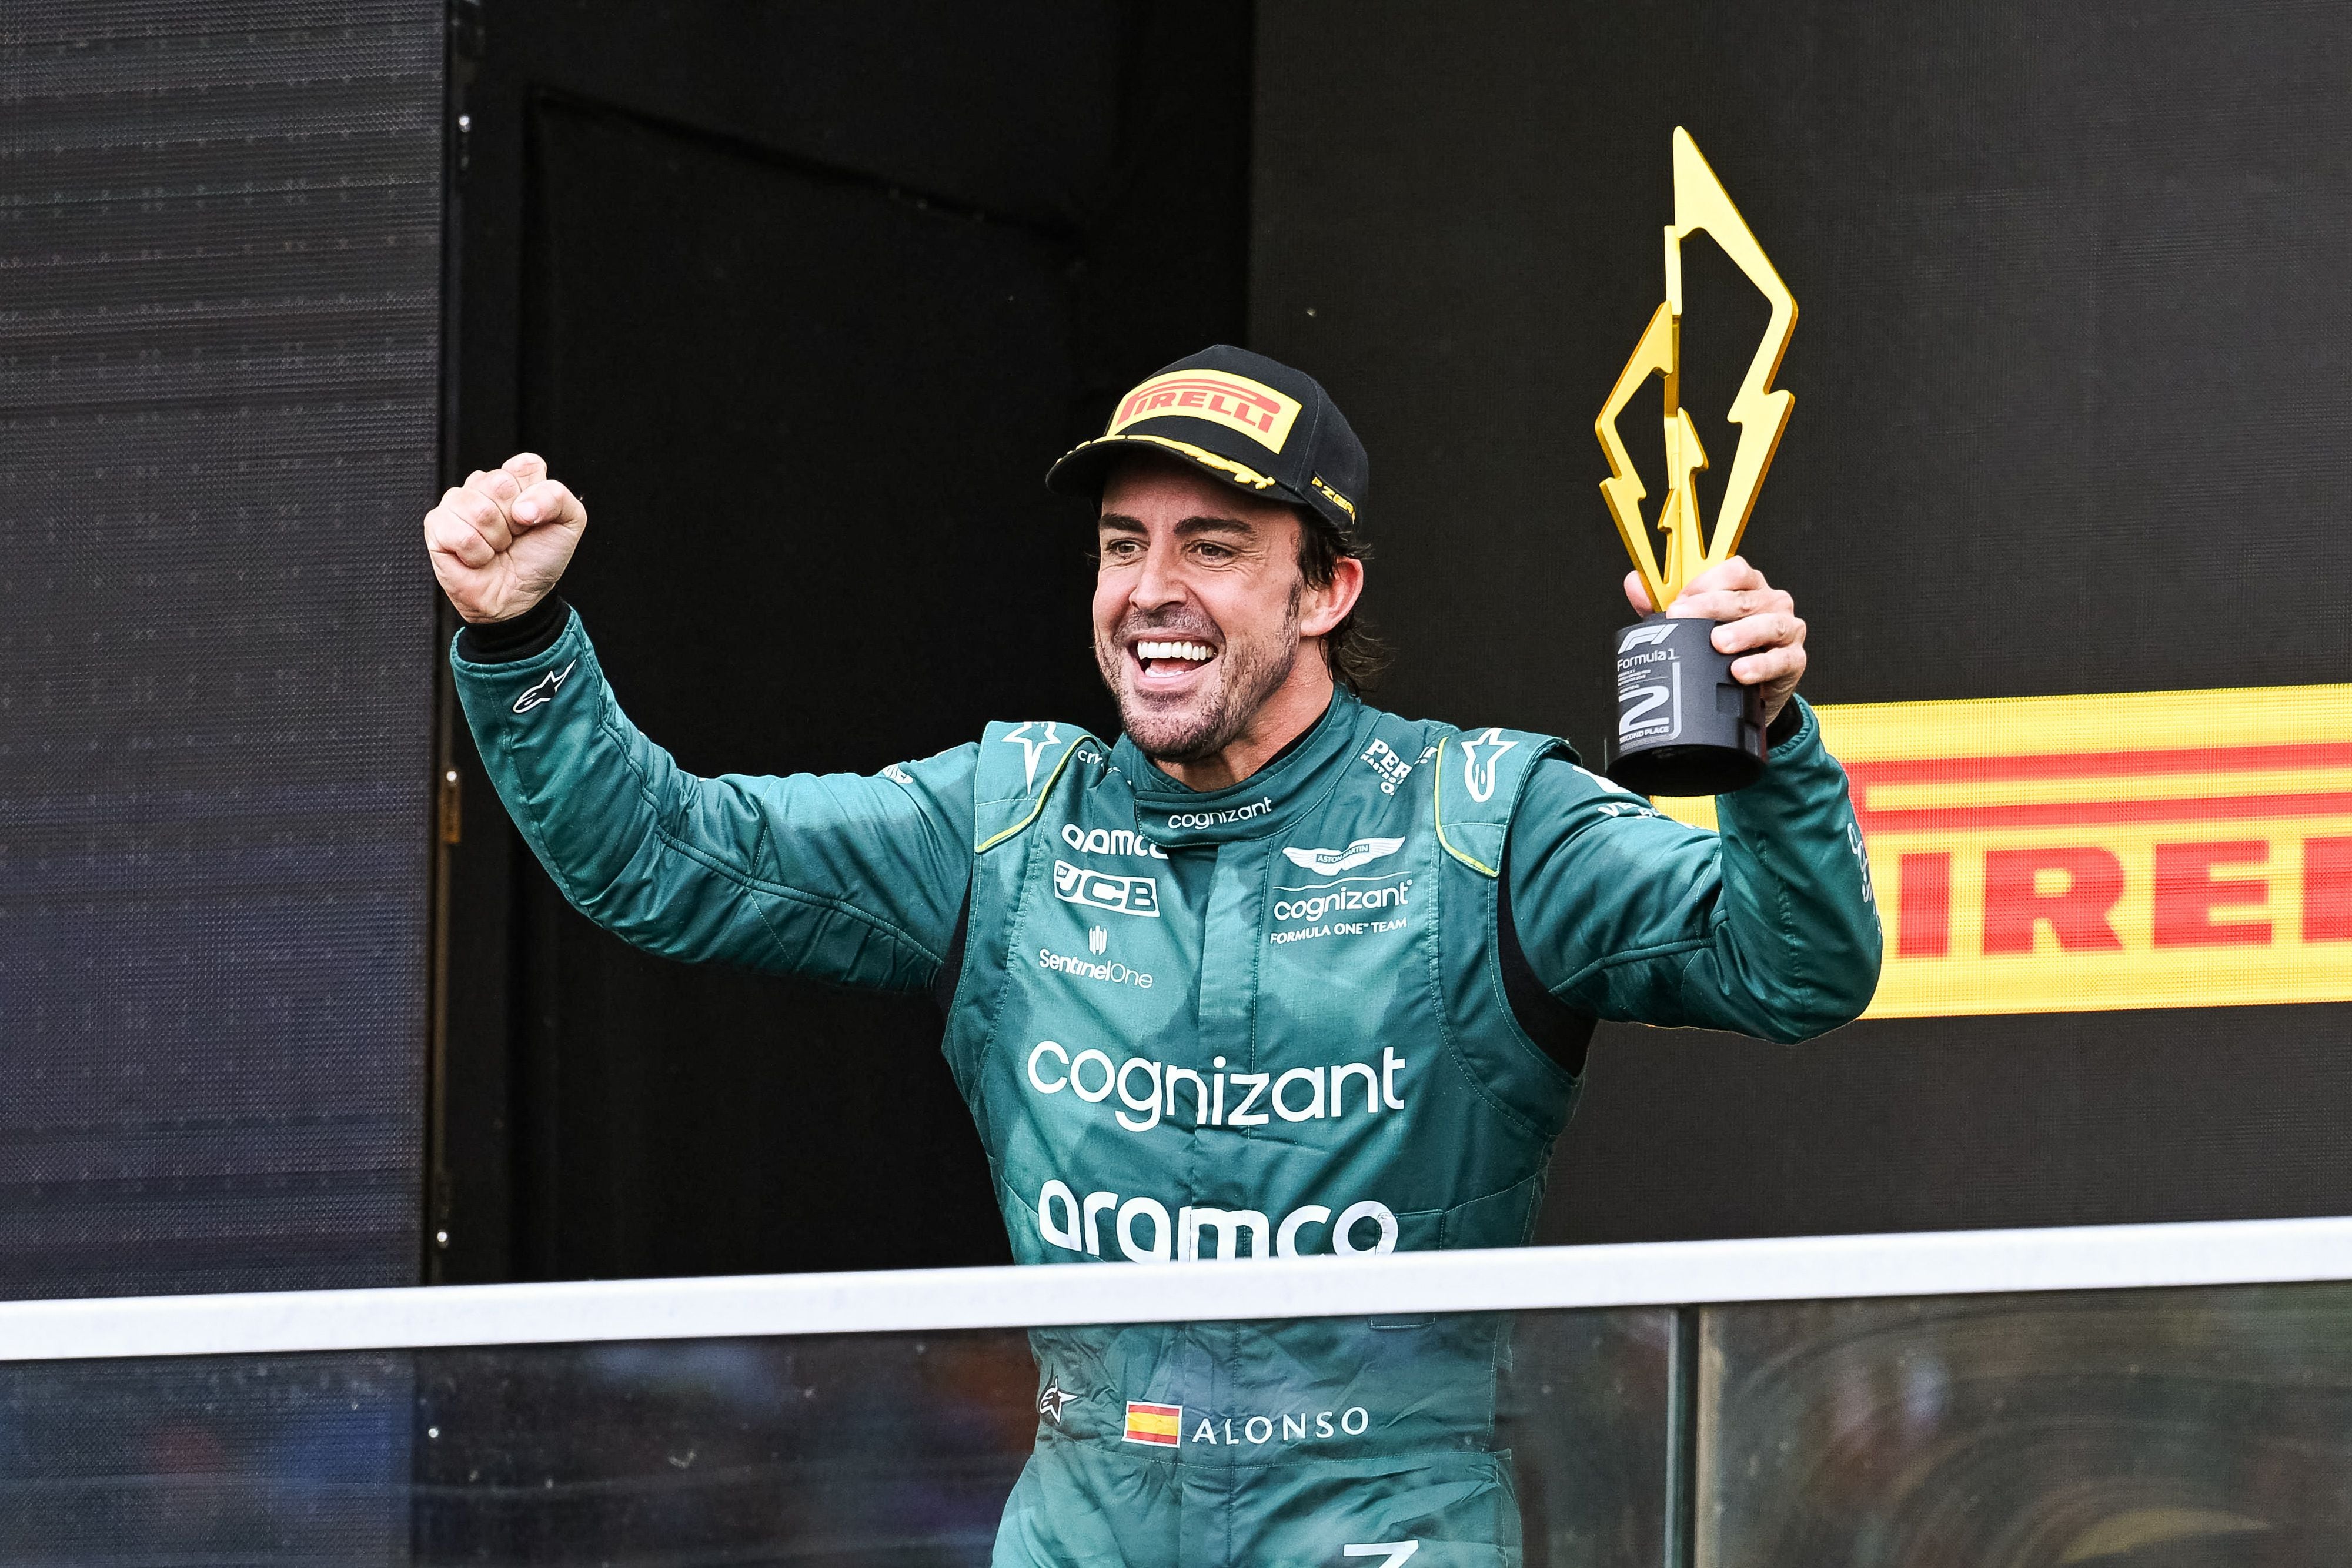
[(1254, 409), (1097, 890)]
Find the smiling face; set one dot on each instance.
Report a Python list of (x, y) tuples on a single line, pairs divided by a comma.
[(1199, 611)]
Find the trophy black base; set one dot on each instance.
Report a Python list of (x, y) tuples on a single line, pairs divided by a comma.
[(1684, 726)]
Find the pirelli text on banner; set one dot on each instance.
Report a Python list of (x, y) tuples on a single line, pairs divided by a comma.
[(2081, 853)]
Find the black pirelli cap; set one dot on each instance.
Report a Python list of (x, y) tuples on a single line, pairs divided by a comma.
[(1254, 422)]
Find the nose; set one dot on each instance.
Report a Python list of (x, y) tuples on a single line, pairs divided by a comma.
[(1159, 583)]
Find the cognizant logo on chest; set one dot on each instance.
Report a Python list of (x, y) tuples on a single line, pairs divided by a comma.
[(1218, 818), (1350, 906), (1315, 902), (1220, 1098)]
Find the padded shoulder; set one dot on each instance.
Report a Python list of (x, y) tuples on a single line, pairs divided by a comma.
[(1018, 765), (1480, 773)]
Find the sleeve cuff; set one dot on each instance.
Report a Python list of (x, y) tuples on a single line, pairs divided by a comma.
[(1794, 720), (525, 636)]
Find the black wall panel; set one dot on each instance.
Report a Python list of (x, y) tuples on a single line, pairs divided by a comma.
[(811, 422), (220, 240), (2072, 390), (804, 300)]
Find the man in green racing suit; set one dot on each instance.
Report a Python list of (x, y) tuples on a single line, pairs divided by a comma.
[(1275, 973)]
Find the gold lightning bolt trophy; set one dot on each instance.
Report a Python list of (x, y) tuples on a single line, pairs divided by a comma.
[(1684, 726)]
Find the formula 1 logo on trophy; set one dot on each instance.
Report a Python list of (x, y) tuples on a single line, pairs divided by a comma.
[(1684, 726)]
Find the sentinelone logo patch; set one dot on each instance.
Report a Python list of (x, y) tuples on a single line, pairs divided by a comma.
[(2071, 854)]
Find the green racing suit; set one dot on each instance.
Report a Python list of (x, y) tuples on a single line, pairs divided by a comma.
[(1271, 1019)]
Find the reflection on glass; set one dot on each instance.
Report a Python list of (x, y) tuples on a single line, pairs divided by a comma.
[(865, 1448), (894, 1449), (1586, 1417), (227, 1459), (2133, 1429)]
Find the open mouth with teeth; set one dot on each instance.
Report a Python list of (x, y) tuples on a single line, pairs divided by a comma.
[(1168, 663)]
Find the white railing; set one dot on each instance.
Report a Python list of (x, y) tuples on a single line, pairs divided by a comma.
[(1682, 1273)]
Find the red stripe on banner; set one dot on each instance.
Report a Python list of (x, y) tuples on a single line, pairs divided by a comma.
[(2061, 813), (2104, 764), (1923, 916)]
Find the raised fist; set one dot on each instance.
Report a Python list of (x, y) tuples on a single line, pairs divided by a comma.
[(498, 541)]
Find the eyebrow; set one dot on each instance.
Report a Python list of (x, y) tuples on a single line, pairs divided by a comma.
[(1119, 522)]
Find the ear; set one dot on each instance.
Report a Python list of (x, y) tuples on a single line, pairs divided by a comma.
[(1322, 609)]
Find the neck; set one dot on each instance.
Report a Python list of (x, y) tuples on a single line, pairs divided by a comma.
[(1289, 711)]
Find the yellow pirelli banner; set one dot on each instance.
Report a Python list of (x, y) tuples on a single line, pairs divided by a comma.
[(2066, 854)]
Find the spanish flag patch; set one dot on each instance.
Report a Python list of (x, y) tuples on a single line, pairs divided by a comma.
[(1159, 1423)]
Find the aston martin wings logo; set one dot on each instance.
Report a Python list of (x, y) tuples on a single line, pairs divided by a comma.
[(1331, 862), (1030, 750), (1761, 413)]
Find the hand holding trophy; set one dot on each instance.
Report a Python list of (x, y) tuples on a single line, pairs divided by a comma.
[(1684, 726)]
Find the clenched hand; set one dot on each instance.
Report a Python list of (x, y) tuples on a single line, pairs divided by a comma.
[(499, 541)]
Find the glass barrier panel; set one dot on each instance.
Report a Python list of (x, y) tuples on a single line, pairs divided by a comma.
[(1587, 1414), (223, 1459), (1540, 1437), (2125, 1429)]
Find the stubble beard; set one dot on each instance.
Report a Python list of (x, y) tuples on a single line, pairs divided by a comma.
[(1248, 673)]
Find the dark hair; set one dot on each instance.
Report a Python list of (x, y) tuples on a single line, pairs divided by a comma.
[(1352, 649)]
